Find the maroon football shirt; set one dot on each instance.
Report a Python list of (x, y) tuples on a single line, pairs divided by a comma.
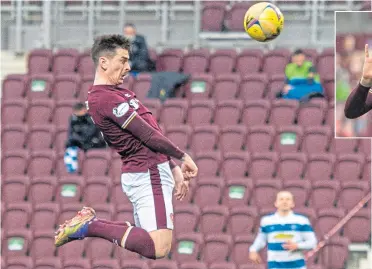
[(112, 108)]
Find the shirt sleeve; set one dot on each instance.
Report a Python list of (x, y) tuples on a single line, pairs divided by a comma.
[(357, 104), (309, 240), (118, 110), (260, 241)]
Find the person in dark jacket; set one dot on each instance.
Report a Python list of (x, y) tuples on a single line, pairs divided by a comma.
[(139, 54), (82, 132)]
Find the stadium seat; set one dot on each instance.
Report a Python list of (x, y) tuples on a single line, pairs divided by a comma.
[(51, 262), (115, 169), (208, 163), (212, 16), (200, 112), (124, 212), (98, 249), (365, 146), (335, 253), (14, 87), (154, 105), (253, 87), (223, 265), (134, 264), (15, 243), (249, 61), (78, 263), (316, 139), (208, 191), (309, 212), (195, 61), (60, 139), (86, 83), (216, 248), (311, 54), (187, 247), (237, 192), (42, 245), (275, 61), (242, 220), (40, 112), (358, 228), (66, 86), (291, 166), (288, 138), (262, 165), (234, 164), (222, 61), (94, 185), (343, 146), (265, 191), (283, 112), (173, 112), (96, 162), (186, 218), (327, 219), (14, 137), (204, 138), (330, 117), (275, 85), (366, 176), (179, 135), (106, 264), (252, 266), (351, 193), (320, 166), (13, 112), (312, 113), (40, 86), (39, 61), (349, 167), (44, 216), (41, 163), (232, 21), (141, 85), (241, 244), (255, 112), (260, 138), (17, 216), (63, 111), (328, 84), (65, 61), (18, 263), (232, 138), (164, 264), (325, 62), (300, 190), (213, 219), (226, 87), (169, 60), (69, 189), (42, 189), (228, 111), (41, 137), (105, 210), (14, 189), (85, 66), (117, 194), (14, 163), (199, 86), (193, 265), (324, 194)]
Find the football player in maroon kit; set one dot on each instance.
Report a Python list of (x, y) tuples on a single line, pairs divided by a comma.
[(359, 101), (149, 174)]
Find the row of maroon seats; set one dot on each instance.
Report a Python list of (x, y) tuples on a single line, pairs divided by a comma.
[(180, 111), (195, 61), (238, 191), (344, 167), (188, 247)]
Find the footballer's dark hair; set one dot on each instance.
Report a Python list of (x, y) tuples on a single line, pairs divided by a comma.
[(78, 106), (106, 45), (298, 51)]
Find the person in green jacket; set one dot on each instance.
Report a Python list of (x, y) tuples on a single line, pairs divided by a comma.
[(301, 78)]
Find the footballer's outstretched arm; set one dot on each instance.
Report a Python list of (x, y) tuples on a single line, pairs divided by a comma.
[(356, 104)]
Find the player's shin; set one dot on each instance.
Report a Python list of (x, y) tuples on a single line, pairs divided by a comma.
[(131, 238)]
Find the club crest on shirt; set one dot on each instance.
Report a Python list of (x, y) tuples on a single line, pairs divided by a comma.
[(134, 103), (120, 110)]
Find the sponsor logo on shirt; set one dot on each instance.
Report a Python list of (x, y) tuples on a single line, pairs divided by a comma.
[(120, 110)]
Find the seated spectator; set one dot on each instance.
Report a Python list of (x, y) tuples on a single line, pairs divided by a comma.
[(82, 134), (139, 54), (302, 80)]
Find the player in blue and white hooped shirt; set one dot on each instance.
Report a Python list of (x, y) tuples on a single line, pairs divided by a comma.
[(286, 234)]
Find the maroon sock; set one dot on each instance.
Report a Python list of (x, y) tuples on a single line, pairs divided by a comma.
[(136, 239)]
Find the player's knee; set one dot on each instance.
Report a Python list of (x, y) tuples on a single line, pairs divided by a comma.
[(162, 241)]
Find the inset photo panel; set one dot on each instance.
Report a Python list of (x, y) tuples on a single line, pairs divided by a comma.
[(353, 83)]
